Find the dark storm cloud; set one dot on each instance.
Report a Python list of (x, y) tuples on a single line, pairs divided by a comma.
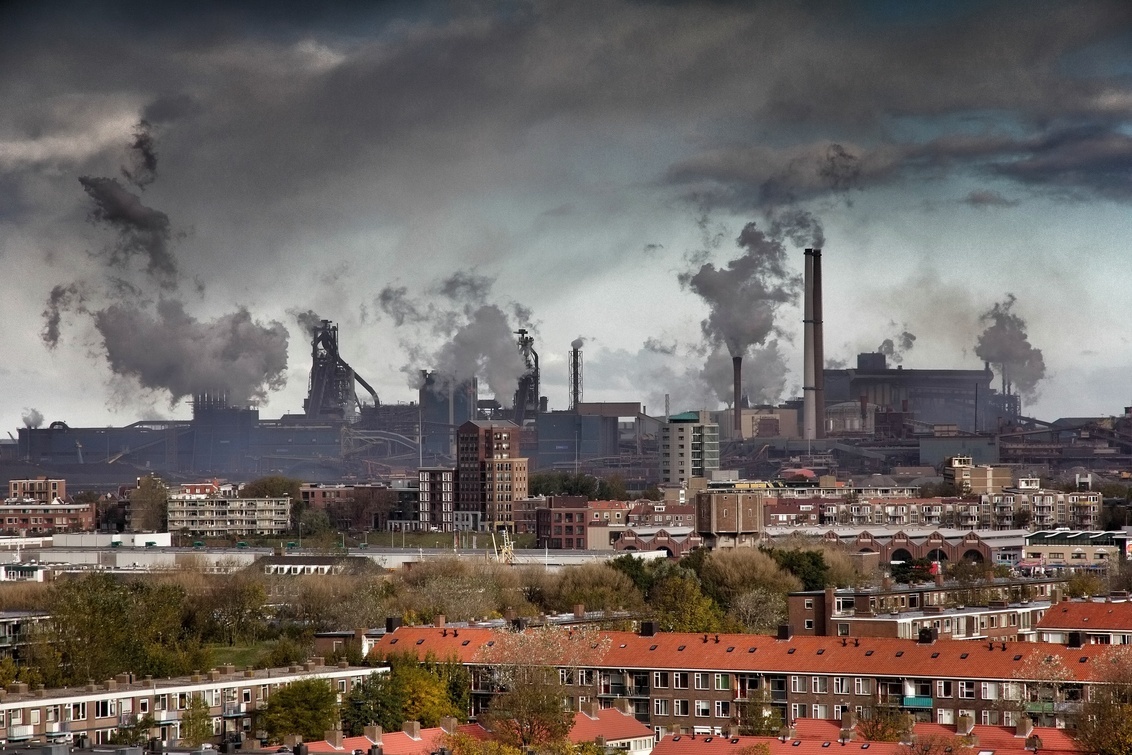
[(168, 349), (142, 231), (983, 198)]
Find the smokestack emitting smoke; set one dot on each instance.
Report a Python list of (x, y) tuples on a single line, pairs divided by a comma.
[(737, 418), (1005, 344), (32, 418)]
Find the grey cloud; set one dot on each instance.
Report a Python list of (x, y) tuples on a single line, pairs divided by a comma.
[(143, 157), (61, 299), (466, 287)]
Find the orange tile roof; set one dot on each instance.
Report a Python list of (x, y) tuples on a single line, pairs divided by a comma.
[(819, 737), (398, 742), (875, 656), (1088, 615), (610, 723)]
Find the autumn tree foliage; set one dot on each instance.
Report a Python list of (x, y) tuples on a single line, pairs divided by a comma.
[(529, 710), (308, 707), (1104, 725)]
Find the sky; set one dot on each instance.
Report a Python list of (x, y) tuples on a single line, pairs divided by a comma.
[(183, 190)]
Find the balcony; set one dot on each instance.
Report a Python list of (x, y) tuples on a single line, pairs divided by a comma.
[(165, 716), (917, 701), (21, 733), (235, 710)]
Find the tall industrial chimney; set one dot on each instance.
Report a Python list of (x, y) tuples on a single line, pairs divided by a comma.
[(575, 373), (819, 350), (809, 379), (737, 417)]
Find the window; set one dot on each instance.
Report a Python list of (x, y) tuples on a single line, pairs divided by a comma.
[(797, 711), (660, 706), (841, 685), (701, 680), (819, 711), (809, 604), (703, 708), (723, 681), (990, 690), (104, 709), (945, 716), (143, 705), (862, 686), (809, 623), (680, 708), (943, 688), (680, 680), (77, 711), (820, 684), (15, 717), (967, 690), (798, 684), (566, 676), (660, 679), (722, 709)]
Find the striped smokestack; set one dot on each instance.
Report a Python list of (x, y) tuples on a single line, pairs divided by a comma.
[(737, 417), (819, 350), (809, 379)]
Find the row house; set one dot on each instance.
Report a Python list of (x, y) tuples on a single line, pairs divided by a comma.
[(96, 711), (960, 513), (574, 523), (41, 489), (1000, 609), (703, 683), (1029, 505), (1105, 621), (661, 514), (23, 516)]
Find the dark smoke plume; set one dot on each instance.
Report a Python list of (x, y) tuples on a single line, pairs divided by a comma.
[(744, 295), (764, 375), (657, 346), (800, 226), (396, 302), (578, 343), (466, 287), (61, 299), (141, 230), (32, 418), (143, 157), (1005, 345), (484, 347), (170, 350), (308, 320), (895, 348)]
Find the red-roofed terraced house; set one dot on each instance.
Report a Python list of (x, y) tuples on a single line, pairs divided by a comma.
[(679, 682)]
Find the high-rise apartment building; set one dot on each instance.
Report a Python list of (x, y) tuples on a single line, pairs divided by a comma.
[(437, 497), (490, 474), (689, 447)]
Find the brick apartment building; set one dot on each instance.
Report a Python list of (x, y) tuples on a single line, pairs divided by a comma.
[(689, 683), (40, 489), (490, 475)]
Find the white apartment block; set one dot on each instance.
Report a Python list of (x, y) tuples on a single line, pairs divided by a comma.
[(97, 710), (221, 513)]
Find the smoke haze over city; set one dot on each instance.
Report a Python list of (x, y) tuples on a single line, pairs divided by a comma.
[(181, 190)]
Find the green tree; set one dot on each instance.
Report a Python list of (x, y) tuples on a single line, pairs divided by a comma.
[(759, 610), (756, 716), (465, 744), (635, 569), (597, 586), (149, 505), (237, 609), (307, 707), (273, 486), (883, 723), (807, 565), (680, 606), (135, 733), (196, 722), (408, 691)]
